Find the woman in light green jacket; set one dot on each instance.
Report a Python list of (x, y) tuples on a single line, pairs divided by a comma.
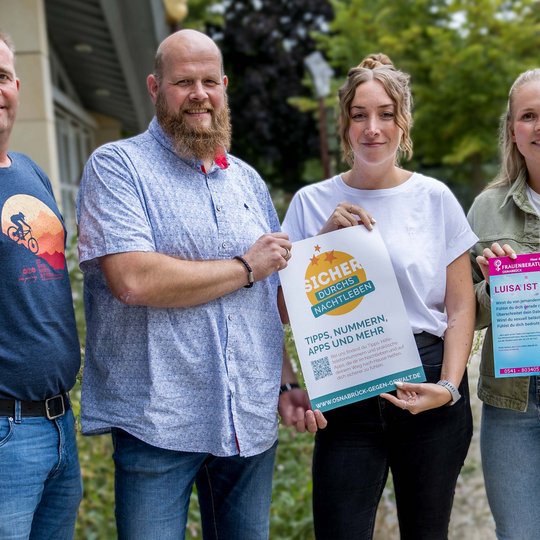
[(505, 217)]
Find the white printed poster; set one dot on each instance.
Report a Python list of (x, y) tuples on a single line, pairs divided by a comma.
[(349, 323)]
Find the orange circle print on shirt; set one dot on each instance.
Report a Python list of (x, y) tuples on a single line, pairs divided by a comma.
[(335, 283)]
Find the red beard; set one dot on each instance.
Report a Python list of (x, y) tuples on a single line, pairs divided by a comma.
[(195, 142)]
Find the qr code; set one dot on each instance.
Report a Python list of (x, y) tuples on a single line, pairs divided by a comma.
[(321, 368)]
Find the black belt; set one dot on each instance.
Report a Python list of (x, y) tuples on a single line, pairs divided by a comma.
[(51, 408), (425, 339)]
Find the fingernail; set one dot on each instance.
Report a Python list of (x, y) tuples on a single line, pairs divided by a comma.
[(513, 256), (399, 384), (373, 220)]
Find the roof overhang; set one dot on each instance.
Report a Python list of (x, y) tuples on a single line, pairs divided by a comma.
[(107, 49)]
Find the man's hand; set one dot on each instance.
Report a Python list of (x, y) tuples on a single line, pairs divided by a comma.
[(295, 410), (269, 254)]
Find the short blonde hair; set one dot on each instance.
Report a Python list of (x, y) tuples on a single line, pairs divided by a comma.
[(377, 67)]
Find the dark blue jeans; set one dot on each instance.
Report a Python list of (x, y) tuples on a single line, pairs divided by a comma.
[(153, 488), (366, 440)]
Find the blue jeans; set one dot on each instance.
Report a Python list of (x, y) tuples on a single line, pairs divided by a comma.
[(365, 440), (153, 487), (40, 480), (510, 447)]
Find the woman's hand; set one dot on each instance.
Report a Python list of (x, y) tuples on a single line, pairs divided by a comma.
[(495, 251), (295, 410), (347, 215), (417, 398)]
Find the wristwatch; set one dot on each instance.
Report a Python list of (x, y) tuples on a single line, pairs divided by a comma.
[(456, 396)]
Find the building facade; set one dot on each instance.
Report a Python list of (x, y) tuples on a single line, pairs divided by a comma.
[(83, 66)]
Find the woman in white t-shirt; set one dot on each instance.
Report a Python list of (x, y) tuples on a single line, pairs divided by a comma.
[(413, 433)]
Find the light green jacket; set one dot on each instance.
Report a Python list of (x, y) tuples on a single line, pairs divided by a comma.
[(501, 215)]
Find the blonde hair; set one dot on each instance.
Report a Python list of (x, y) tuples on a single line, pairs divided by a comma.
[(377, 67), (512, 162)]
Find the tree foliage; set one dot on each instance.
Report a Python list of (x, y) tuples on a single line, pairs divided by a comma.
[(202, 13), (463, 56), (264, 43)]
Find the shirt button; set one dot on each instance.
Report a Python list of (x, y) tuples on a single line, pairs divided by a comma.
[(230, 317), (225, 245), (218, 208)]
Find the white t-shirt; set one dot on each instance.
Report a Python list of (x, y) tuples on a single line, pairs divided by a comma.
[(422, 224), (534, 199)]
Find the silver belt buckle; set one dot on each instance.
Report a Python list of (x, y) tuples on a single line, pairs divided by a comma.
[(47, 411)]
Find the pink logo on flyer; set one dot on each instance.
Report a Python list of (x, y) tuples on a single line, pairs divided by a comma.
[(528, 262)]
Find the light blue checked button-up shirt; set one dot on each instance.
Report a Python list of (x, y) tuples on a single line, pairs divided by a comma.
[(198, 379)]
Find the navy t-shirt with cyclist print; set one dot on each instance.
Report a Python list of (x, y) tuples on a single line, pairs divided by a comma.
[(39, 347)]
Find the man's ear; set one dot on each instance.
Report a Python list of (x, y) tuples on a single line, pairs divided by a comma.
[(153, 87)]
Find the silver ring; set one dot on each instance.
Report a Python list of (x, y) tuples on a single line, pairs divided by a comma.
[(287, 255)]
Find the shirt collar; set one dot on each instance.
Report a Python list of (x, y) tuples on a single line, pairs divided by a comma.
[(221, 160), (518, 193)]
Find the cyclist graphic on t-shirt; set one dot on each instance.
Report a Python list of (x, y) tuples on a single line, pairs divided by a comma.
[(18, 219), (19, 233)]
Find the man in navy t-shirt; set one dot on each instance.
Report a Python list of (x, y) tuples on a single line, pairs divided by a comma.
[(40, 482)]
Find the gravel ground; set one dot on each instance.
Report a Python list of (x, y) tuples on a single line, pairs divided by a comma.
[(471, 518)]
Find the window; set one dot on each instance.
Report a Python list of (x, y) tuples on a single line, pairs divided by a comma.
[(74, 138), (75, 143)]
